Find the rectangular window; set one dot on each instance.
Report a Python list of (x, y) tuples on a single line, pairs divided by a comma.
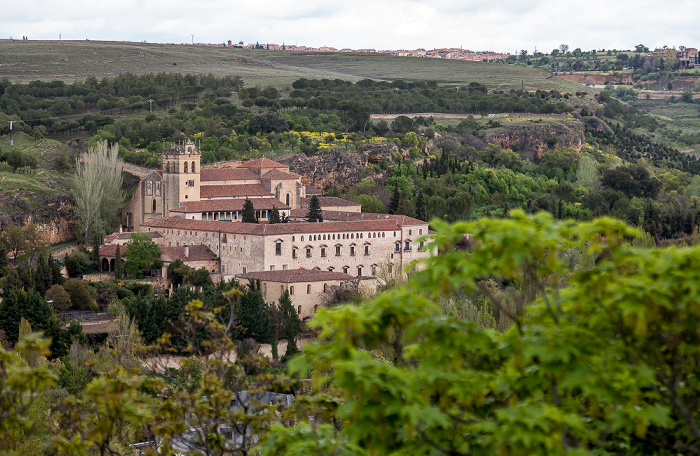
[(352, 250), (397, 247), (244, 269), (308, 252), (291, 290), (366, 250), (323, 251), (359, 271), (308, 289), (191, 183), (272, 267), (410, 232), (337, 250), (278, 248), (294, 253)]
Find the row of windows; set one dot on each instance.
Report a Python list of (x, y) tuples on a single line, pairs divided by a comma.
[(332, 237), (171, 167), (309, 250)]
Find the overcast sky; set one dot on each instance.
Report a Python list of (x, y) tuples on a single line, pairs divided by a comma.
[(502, 25)]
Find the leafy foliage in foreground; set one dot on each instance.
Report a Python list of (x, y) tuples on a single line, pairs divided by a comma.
[(600, 361)]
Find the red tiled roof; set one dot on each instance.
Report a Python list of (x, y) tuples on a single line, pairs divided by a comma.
[(329, 201), (220, 174), (282, 228), (229, 205), (295, 276), (196, 253), (276, 174), (343, 216), (232, 191), (260, 163), (114, 236), (310, 190), (111, 250)]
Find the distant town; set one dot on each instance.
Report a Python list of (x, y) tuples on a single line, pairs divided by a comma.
[(441, 53)]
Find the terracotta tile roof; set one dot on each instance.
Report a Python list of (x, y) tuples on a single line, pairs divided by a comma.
[(311, 190), (260, 163), (229, 205), (114, 236), (111, 250), (282, 228), (196, 253), (276, 174), (343, 216), (221, 174), (232, 191), (329, 201), (295, 276)]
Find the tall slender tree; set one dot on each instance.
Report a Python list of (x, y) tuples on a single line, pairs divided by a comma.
[(249, 212), (97, 189), (315, 213), (274, 216)]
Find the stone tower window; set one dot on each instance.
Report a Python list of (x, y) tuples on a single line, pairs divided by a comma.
[(185, 170), (154, 204), (193, 167)]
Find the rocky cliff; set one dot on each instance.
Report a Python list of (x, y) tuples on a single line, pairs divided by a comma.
[(532, 139), (338, 168), (53, 213)]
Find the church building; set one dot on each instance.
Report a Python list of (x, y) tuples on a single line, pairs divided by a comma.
[(184, 189)]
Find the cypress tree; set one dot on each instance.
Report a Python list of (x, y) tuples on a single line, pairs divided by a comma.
[(421, 210), (274, 215), (118, 267), (290, 325), (395, 199), (249, 212), (315, 214)]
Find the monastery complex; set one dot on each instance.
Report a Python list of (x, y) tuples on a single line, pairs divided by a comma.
[(195, 214)]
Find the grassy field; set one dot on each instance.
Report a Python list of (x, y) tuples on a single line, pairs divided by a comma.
[(24, 61)]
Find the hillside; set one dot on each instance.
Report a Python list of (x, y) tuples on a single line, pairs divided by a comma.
[(24, 61)]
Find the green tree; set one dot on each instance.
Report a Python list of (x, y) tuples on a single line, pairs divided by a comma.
[(248, 215), (253, 317), (274, 215), (315, 214), (96, 188), (82, 295), (179, 272), (290, 325), (141, 252), (587, 173), (31, 306), (118, 265), (450, 387), (60, 298)]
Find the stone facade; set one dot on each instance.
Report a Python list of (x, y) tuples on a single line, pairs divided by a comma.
[(183, 189), (356, 248), (308, 289)]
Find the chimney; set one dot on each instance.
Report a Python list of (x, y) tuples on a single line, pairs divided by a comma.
[(187, 251)]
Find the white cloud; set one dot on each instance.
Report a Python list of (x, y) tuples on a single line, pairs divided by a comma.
[(506, 25)]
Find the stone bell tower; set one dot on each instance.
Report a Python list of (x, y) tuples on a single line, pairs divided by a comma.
[(181, 171)]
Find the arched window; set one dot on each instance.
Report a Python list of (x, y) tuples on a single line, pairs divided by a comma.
[(193, 167), (287, 199), (185, 168), (308, 289), (154, 204)]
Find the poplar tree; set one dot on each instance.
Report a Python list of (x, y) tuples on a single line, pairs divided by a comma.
[(97, 190)]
